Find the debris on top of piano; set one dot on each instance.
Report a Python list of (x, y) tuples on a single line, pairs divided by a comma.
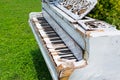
[(75, 47), (94, 25)]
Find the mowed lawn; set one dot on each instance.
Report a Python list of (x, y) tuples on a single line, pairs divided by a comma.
[(20, 57)]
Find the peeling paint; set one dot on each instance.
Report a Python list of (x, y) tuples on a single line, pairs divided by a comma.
[(87, 47)]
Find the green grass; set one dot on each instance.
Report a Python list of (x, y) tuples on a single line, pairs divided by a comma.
[(20, 57)]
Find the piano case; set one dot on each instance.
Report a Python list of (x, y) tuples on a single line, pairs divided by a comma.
[(74, 46)]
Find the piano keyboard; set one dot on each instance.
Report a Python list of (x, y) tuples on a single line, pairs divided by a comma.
[(60, 53), (54, 43)]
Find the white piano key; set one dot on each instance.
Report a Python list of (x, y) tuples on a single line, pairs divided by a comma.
[(47, 40), (47, 29), (43, 34), (52, 50), (65, 54), (37, 23), (51, 46)]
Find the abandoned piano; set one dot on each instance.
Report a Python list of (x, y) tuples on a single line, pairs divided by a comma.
[(74, 46)]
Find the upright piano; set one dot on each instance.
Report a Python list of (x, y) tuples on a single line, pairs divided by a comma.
[(75, 46)]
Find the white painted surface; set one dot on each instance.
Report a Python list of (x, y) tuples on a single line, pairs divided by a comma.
[(103, 61)]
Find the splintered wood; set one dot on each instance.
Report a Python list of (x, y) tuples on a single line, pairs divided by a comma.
[(66, 69), (61, 55)]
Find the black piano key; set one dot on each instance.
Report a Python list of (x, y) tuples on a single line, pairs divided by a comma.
[(52, 35), (61, 48), (57, 42), (68, 57), (48, 29), (45, 24), (55, 38), (41, 18), (42, 21), (63, 51), (50, 32)]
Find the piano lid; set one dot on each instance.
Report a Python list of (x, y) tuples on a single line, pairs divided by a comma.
[(76, 9)]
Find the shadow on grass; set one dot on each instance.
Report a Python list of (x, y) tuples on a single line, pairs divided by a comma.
[(40, 65)]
